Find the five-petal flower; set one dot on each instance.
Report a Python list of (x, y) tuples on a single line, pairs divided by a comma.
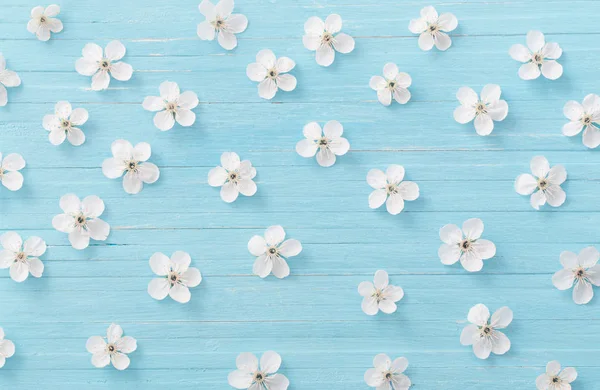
[(43, 21), (7, 348), (133, 161), (252, 377), (112, 349), (221, 22), (545, 180), (10, 177), (8, 78), (538, 54), (271, 252), (485, 111), (394, 84), (328, 142), (390, 189), (176, 276), (388, 374), (586, 117), (271, 73), (80, 220), (554, 378), (582, 270), (483, 334), (61, 124), (22, 258), (172, 106), (379, 295), (466, 245), (233, 176), (433, 28), (99, 65), (325, 37)]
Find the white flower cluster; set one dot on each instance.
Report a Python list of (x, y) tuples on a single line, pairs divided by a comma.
[(81, 218)]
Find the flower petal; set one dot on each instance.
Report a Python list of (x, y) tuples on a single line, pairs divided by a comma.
[(366, 289), (449, 253), (555, 196), (377, 198), (498, 110), (325, 157), (563, 279), (417, 26), (394, 173), (381, 279), (325, 55), (540, 167), (376, 179), (95, 344), (591, 137), (229, 192), (451, 234), (164, 120), (572, 128), (369, 306), (290, 248), (180, 293), (501, 318), (256, 72), (192, 277), (408, 190), (34, 246), (247, 187), (98, 229), (426, 41), (314, 25), (227, 40), (333, 23), (520, 53), (277, 382), (100, 81), (247, 362), (473, 228), (240, 379), (471, 261), (19, 271), (100, 359), (388, 307), (529, 71), (484, 248), (120, 361), (11, 241), (552, 70), (286, 82), (206, 31), (394, 204), (588, 257), (115, 50), (76, 136), (442, 41), (583, 292), (500, 343), (306, 148), (469, 334), (479, 314), (343, 43), (482, 347), (237, 23), (568, 375), (447, 22), (484, 124), (160, 264), (188, 100), (274, 235), (92, 206), (126, 344), (158, 288), (384, 96), (185, 117), (262, 266), (267, 89), (466, 96), (535, 40)]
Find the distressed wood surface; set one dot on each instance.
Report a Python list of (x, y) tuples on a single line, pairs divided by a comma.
[(312, 318)]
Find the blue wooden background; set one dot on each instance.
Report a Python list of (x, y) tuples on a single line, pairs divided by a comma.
[(312, 318)]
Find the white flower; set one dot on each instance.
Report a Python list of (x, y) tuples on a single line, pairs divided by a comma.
[(545, 180), (466, 245), (433, 28), (328, 142), (95, 63), (9, 167), (485, 110), (61, 124), (8, 78), (7, 348), (22, 258), (554, 378), (390, 189), (250, 376), (234, 177), (176, 276), (484, 335), (539, 55), (270, 71), (324, 37), (43, 21), (80, 220), (379, 295), (392, 84), (114, 351), (220, 21), (272, 251), (388, 375), (172, 106), (133, 161), (582, 270), (584, 117)]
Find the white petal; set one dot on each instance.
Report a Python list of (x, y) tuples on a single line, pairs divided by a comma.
[(262, 266), (500, 343), (484, 248), (520, 53), (537, 200), (192, 277), (180, 293), (591, 104), (447, 22), (188, 100), (100, 359), (286, 82), (464, 114), (126, 344), (180, 261), (376, 179), (529, 71), (369, 306), (285, 64), (572, 128), (325, 157), (482, 347), (401, 95), (206, 31), (498, 110), (573, 110), (19, 271), (501, 318), (563, 279), (247, 362), (274, 235), (535, 40), (224, 8), (266, 58), (230, 161), (34, 246), (164, 120), (366, 289), (270, 362), (582, 293), (79, 116), (306, 148), (277, 382), (217, 177), (57, 137), (552, 70), (229, 192), (256, 72), (557, 175), (333, 129), (553, 368), (394, 173), (121, 71), (95, 344), (314, 25), (98, 229), (377, 198), (339, 146), (451, 234), (52, 10), (92, 52), (387, 307), (185, 117), (479, 314), (588, 257), (227, 40), (382, 362), (384, 96), (267, 89), (240, 379), (237, 23), (70, 204), (466, 96), (469, 334), (113, 168), (381, 279), (568, 375), (552, 51), (86, 67), (442, 41), (473, 228), (394, 204), (247, 187), (120, 361), (36, 267), (426, 41), (312, 131), (449, 253), (114, 50), (13, 162), (114, 333), (591, 137), (417, 26), (160, 264), (290, 248), (393, 293), (63, 109), (63, 223), (148, 172), (471, 261), (51, 122), (377, 83), (333, 23), (490, 93), (569, 260), (484, 124), (325, 55), (343, 43), (100, 81), (539, 166), (408, 190), (92, 206), (76, 136), (37, 12), (11, 241), (207, 9)]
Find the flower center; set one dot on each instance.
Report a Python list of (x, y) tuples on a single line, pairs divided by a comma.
[(233, 176), (543, 184), (326, 38), (104, 64), (392, 84), (80, 220), (1, 172), (323, 142), (537, 58), (486, 330), (579, 273), (433, 28), (43, 19), (111, 348), (481, 108), (171, 106), (272, 250), (66, 124), (378, 294), (586, 120), (132, 165), (272, 74), (259, 377), (465, 245), (388, 376), (173, 277), (218, 23), (556, 379), (391, 188), (21, 256)]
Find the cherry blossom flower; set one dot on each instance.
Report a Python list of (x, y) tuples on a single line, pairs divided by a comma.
[(379, 295), (554, 378), (99, 65), (272, 252), (252, 377), (326, 144), (221, 22), (80, 220), (390, 189), (234, 177), (388, 374), (324, 38), (133, 161), (10, 177), (7, 348), (43, 22), (465, 245), (483, 334), (8, 78), (172, 106), (176, 276), (111, 349), (539, 54), (584, 117), (545, 180), (394, 83), (61, 124), (22, 258), (485, 110), (581, 270), (271, 73), (433, 28)]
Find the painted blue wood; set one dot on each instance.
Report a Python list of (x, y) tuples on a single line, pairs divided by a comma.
[(312, 318)]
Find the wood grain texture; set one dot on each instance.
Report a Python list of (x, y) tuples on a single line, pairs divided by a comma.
[(312, 318)]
